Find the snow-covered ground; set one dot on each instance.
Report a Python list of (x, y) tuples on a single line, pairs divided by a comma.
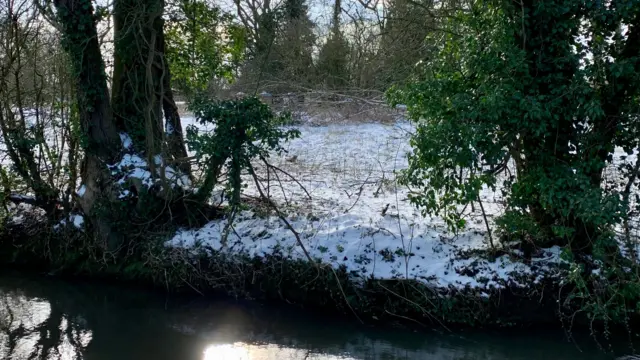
[(352, 213), (349, 211)]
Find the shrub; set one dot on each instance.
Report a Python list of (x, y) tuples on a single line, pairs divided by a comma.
[(245, 129), (531, 98)]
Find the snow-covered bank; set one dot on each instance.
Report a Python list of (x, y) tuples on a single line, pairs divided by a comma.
[(379, 250), (350, 213)]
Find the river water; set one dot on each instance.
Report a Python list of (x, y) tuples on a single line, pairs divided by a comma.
[(51, 319)]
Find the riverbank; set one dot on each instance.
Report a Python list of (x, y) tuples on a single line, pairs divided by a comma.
[(347, 242), (480, 292), (278, 279)]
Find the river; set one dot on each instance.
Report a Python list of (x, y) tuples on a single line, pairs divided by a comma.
[(44, 318)]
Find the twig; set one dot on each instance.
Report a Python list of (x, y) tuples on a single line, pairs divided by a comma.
[(346, 300), (626, 194), (299, 240), (284, 194), (269, 165), (415, 304), (405, 318), (228, 227), (486, 222), (280, 215), (359, 194)]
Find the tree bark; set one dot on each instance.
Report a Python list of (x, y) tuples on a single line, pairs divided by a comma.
[(101, 140), (176, 148), (137, 88)]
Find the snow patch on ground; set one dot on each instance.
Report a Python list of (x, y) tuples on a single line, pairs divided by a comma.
[(367, 249), (352, 213)]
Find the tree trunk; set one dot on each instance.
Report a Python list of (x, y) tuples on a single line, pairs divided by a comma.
[(176, 148), (101, 141), (137, 87)]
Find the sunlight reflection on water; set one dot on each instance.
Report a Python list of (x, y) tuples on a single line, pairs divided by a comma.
[(243, 351), (46, 319)]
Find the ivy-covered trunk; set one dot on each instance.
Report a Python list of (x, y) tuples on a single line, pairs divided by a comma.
[(545, 37), (100, 140), (138, 71), (142, 81)]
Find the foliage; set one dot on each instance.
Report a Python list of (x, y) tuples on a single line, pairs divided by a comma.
[(245, 129), (496, 94), (333, 59), (530, 99), (203, 44)]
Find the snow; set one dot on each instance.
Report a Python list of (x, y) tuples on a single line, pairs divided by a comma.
[(359, 218), (17, 219), (377, 249), (132, 166), (76, 220), (126, 140)]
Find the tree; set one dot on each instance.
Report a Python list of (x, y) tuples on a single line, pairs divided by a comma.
[(514, 87), (281, 44), (333, 60), (28, 84), (121, 195), (203, 45), (407, 24), (141, 79), (293, 47)]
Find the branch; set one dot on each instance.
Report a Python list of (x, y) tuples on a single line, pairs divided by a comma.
[(287, 174), (281, 216), (23, 199)]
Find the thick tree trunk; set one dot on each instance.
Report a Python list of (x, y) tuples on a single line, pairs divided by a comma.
[(80, 40), (101, 141), (137, 87)]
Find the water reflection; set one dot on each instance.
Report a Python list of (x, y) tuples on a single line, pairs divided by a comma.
[(244, 351), (46, 319), (29, 329)]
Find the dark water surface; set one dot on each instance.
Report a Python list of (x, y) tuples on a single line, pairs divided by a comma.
[(51, 319)]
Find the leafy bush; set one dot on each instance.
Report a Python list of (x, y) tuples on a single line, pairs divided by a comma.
[(516, 86), (245, 129), (532, 98)]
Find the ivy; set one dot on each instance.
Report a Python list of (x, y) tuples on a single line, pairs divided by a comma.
[(530, 99), (245, 130)]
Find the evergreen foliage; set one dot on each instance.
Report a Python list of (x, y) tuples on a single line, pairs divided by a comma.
[(531, 99), (245, 129)]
